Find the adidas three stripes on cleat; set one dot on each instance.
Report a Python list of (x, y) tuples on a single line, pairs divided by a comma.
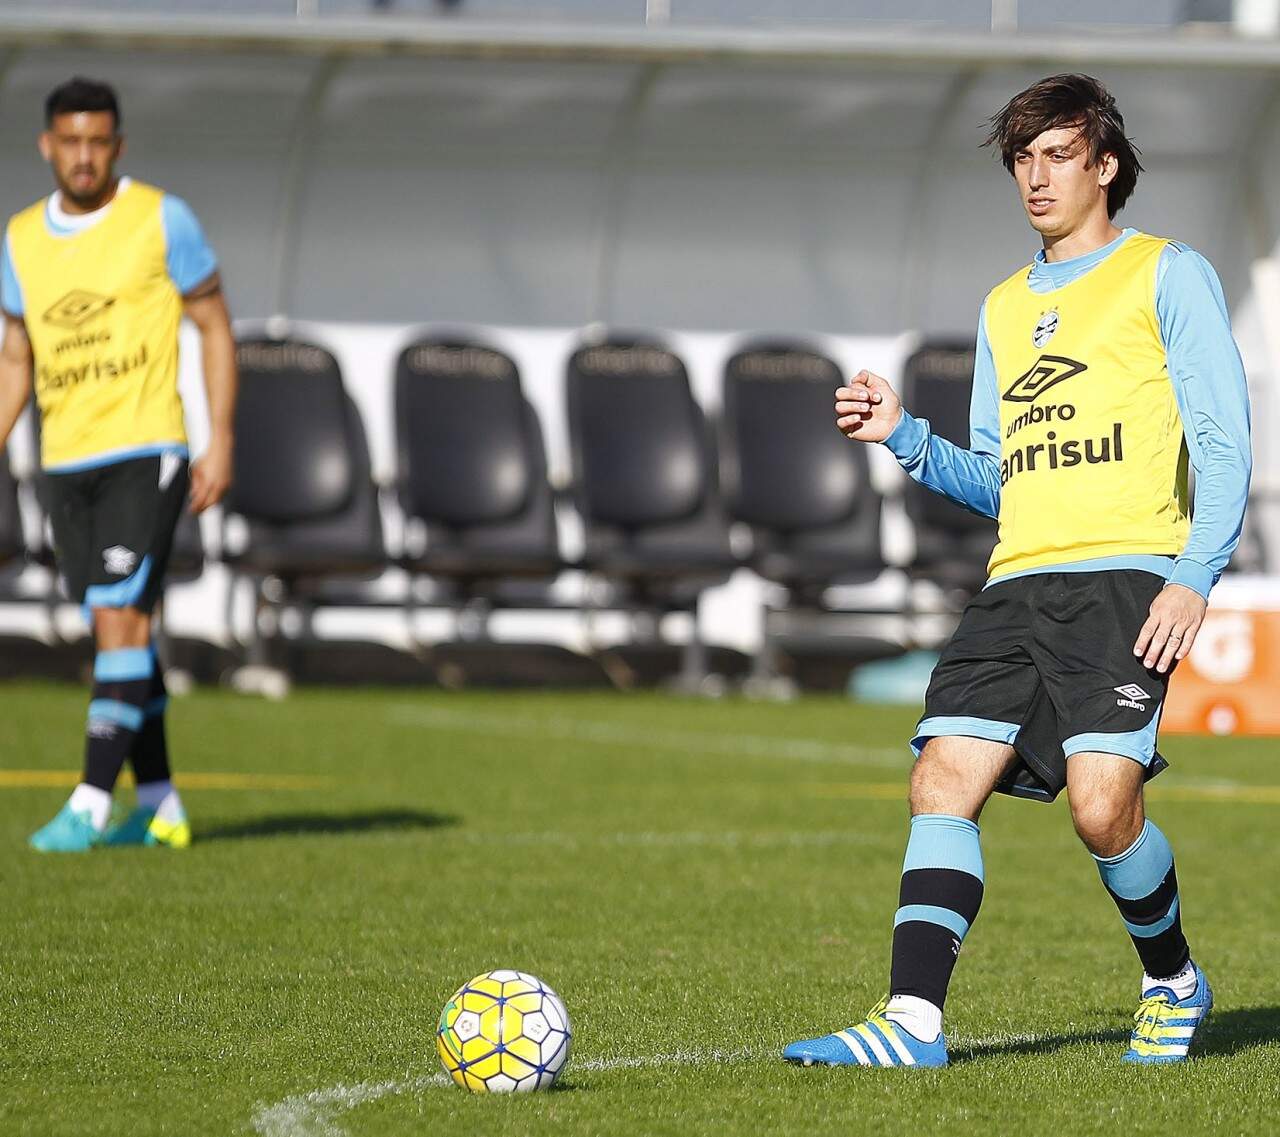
[(1165, 1025), (875, 1042)]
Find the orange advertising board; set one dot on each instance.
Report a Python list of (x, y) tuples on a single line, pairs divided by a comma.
[(1230, 683)]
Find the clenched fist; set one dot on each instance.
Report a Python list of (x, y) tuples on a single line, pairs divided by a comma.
[(868, 408)]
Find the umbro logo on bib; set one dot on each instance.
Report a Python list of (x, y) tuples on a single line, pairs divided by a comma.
[(1047, 325), (1047, 371), (77, 307)]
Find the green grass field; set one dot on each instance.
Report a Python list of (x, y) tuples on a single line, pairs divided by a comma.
[(701, 882)]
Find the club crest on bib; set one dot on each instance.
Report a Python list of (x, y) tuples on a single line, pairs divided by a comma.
[(1047, 325)]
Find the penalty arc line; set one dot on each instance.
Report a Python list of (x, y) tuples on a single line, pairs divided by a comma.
[(315, 1114)]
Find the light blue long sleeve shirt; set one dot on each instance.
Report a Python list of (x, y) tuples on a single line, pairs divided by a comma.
[(188, 257), (1213, 401)]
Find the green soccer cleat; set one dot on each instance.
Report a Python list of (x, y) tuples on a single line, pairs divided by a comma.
[(143, 827), (68, 832)]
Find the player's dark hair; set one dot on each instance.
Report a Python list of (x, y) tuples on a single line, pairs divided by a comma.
[(80, 94), (1070, 100)]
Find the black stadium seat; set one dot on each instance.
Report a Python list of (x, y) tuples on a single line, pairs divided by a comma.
[(302, 477), (186, 558), (11, 543), (790, 475), (645, 476), (644, 470), (23, 654), (805, 493), (472, 469), (952, 544), (302, 480)]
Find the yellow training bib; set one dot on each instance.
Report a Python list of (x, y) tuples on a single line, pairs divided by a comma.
[(102, 314), (1093, 459)]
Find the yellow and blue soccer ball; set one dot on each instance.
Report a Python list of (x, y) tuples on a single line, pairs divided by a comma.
[(504, 1032)]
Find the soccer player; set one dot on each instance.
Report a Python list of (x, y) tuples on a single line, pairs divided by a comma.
[(94, 282), (1102, 368)]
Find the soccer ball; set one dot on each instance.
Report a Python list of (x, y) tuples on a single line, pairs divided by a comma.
[(504, 1032)]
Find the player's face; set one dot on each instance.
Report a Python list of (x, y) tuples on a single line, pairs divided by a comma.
[(82, 149), (1059, 189)]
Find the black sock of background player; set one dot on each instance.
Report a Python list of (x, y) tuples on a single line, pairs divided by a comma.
[(150, 757), (121, 685)]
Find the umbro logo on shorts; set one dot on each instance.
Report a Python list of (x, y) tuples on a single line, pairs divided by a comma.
[(1132, 694), (118, 560)]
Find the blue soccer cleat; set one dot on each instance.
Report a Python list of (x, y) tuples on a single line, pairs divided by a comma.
[(876, 1042), (68, 832), (1165, 1025)]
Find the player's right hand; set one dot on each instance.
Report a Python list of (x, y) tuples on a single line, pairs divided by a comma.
[(867, 408)]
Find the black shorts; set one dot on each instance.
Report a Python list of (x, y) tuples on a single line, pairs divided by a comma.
[(1046, 662), (113, 528)]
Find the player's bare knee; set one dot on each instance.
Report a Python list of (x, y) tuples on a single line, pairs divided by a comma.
[(1106, 823), (1105, 792)]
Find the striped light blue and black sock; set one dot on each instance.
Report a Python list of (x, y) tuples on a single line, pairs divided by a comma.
[(1144, 884), (938, 901), (150, 755), (121, 687)]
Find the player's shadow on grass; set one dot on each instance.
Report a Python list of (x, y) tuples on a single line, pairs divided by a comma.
[(1045, 1044), (1230, 1032), (1226, 1033), (327, 824)]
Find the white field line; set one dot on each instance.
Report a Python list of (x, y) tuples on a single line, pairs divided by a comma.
[(642, 737), (312, 1114), (315, 1114)]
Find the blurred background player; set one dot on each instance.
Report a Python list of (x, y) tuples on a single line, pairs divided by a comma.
[(96, 279), (1100, 369)]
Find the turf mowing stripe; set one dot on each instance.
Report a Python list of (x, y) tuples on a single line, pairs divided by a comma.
[(675, 839), (313, 1114), (862, 791), (641, 737), (41, 779), (1255, 795)]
